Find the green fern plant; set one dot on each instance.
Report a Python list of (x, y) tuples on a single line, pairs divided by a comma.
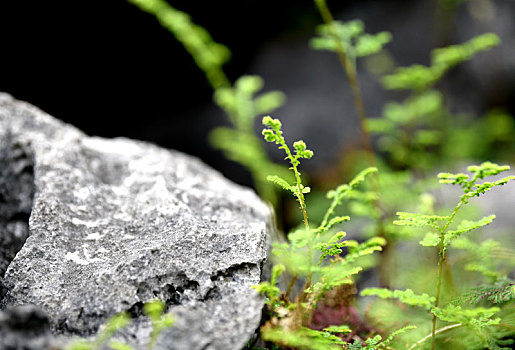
[(417, 135), (410, 131), (350, 42), (442, 237), (316, 256)]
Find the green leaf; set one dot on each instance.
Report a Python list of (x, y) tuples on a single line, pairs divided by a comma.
[(300, 237), (415, 77), (154, 309), (368, 44), (302, 338), (430, 240), (80, 344), (500, 292), (405, 296), (349, 38), (271, 122), (333, 246), (390, 338), (419, 77), (117, 322), (306, 190), (337, 220), (419, 220), (380, 125), (453, 179), (118, 345), (339, 194), (268, 102), (476, 318), (455, 54), (467, 226), (480, 267), (480, 189), (249, 84), (481, 255), (338, 329), (337, 274), (487, 169), (280, 182), (277, 270), (361, 177)]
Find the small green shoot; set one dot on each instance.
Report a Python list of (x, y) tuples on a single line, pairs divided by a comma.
[(160, 321)]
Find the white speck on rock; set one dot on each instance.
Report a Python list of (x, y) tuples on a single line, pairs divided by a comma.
[(93, 236), (75, 258), (77, 221), (82, 193)]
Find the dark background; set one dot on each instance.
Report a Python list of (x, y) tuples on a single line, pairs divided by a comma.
[(112, 70)]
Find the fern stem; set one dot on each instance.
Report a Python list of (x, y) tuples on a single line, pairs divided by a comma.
[(438, 331), (438, 288), (290, 286), (300, 194), (350, 71), (440, 265), (352, 78)]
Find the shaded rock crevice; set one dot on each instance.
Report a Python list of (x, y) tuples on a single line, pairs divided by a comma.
[(17, 190), (27, 327)]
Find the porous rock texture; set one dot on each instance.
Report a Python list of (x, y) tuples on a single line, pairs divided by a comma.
[(116, 223)]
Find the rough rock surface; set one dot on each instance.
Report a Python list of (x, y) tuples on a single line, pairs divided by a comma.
[(116, 223)]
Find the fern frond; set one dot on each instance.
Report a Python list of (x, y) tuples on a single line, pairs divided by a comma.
[(374, 244), (467, 226), (390, 338), (338, 329), (500, 292), (419, 77), (337, 274), (302, 338), (340, 193), (453, 55), (431, 239), (349, 36), (419, 220), (280, 182), (476, 318), (404, 296)]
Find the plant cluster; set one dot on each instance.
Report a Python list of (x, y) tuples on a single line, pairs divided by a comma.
[(441, 285), (154, 310)]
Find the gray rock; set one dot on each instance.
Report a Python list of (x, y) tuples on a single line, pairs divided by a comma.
[(116, 223)]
